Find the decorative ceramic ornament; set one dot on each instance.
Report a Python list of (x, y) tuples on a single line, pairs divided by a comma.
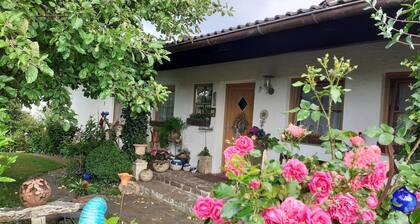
[(403, 200), (146, 175), (35, 192)]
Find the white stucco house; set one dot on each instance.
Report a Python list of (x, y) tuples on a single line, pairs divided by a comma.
[(248, 69)]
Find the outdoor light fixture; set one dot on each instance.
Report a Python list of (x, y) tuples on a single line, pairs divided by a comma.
[(267, 84)]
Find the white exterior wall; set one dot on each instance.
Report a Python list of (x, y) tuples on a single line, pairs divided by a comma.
[(362, 106), (86, 107)]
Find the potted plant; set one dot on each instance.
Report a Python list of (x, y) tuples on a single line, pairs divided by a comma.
[(170, 131), (183, 155), (204, 161), (196, 119), (159, 159)]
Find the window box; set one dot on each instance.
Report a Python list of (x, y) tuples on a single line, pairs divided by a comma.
[(198, 122)]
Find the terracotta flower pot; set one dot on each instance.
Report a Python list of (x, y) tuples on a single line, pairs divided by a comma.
[(140, 149), (125, 178)]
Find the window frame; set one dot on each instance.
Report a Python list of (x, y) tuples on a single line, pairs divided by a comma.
[(195, 95), (294, 101), (391, 77), (156, 117)]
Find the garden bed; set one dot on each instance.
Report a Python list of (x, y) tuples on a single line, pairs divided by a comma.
[(27, 165)]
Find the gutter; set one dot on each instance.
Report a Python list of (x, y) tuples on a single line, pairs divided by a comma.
[(330, 13)]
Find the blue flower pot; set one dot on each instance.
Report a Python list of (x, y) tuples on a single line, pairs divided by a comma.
[(403, 200)]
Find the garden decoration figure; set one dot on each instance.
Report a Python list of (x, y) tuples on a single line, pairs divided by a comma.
[(94, 211), (403, 200)]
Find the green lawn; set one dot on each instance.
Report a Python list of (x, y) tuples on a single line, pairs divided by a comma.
[(27, 165)]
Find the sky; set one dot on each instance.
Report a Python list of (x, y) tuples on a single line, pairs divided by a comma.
[(248, 11)]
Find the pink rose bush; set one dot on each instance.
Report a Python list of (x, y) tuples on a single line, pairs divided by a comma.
[(295, 131), (299, 191), (295, 170)]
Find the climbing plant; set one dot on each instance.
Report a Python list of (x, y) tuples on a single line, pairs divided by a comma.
[(134, 130)]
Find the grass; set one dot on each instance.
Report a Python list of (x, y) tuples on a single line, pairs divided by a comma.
[(27, 165)]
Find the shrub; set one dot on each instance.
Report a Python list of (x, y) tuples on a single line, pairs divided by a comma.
[(22, 128), (58, 136), (106, 161), (40, 142), (134, 131)]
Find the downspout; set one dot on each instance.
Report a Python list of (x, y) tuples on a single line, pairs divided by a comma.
[(303, 19)]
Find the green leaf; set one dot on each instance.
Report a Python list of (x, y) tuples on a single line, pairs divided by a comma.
[(223, 190), (373, 132), (256, 153), (304, 104), (303, 115), (306, 88), (385, 139), (386, 128), (31, 74), (315, 115), (112, 220), (335, 94), (66, 125), (76, 22), (3, 44), (396, 218), (47, 70), (231, 207), (293, 188), (415, 216), (297, 84), (280, 148), (6, 180)]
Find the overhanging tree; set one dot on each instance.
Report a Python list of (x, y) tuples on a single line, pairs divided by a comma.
[(49, 47)]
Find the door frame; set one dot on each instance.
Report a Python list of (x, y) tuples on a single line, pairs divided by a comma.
[(228, 85)]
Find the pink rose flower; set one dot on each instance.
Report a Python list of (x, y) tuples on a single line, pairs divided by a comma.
[(320, 185), (295, 131), (363, 157), (230, 152), (344, 208), (318, 216), (294, 170), (356, 184), (418, 195), (357, 141), (295, 210), (217, 211), (236, 169), (274, 215), (368, 216), (244, 144), (372, 201), (203, 207), (377, 178), (255, 184)]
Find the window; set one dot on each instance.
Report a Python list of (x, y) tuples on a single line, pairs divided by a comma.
[(166, 109), (397, 91), (203, 98), (317, 128)]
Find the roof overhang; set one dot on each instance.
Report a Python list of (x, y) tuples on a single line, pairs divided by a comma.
[(343, 23)]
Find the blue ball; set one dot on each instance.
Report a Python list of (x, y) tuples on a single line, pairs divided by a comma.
[(94, 211), (403, 200), (87, 176)]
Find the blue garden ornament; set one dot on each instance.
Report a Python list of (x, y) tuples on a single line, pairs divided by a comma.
[(403, 200), (87, 176), (104, 113), (94, 211)]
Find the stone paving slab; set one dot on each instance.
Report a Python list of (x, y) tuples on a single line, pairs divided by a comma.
[(186, 181), (146, 210)]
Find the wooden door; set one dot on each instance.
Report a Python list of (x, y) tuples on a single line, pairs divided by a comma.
[(239, 109)]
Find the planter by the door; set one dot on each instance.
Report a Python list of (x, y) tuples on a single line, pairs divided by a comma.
[(204, 164), (160, 166), (198, 122), (140, 149)]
